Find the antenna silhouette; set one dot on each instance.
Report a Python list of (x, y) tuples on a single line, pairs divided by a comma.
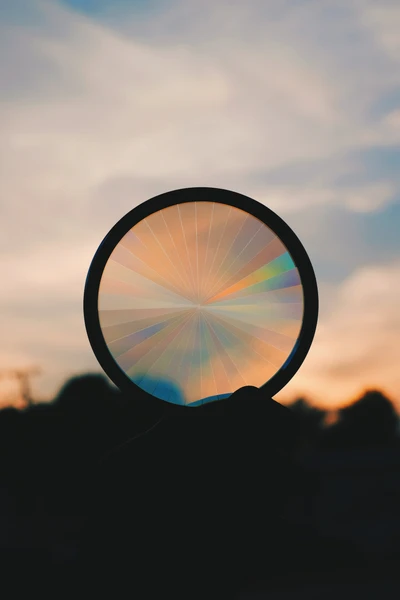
[(23, 377)]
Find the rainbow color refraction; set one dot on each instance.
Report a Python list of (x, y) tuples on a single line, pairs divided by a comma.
[(198, 300)]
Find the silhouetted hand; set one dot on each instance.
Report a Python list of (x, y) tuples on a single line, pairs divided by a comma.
[(194, 505)]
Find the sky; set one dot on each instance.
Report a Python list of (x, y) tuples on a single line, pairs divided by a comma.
[(295, 103)]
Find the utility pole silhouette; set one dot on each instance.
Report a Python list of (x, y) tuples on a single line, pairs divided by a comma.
[(23, 377)]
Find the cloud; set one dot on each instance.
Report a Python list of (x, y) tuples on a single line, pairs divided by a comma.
[(98, 116), (295, 198), (357, 342), (383, 20), (112, 106), (41, 320)]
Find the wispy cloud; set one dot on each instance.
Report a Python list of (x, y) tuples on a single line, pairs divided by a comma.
[(357, 343)]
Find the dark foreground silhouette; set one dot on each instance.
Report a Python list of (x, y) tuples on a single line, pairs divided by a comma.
[(101, 493), (194, 506)]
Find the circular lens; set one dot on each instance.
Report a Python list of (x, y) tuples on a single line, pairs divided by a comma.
[(195, 294)]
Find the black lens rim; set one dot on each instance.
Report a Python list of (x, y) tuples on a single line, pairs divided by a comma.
[(197, 194)]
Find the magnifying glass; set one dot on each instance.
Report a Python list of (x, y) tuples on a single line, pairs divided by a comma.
[(197, 293)]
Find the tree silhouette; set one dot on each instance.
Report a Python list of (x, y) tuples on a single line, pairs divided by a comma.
[(369, 422), (312, 416)]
